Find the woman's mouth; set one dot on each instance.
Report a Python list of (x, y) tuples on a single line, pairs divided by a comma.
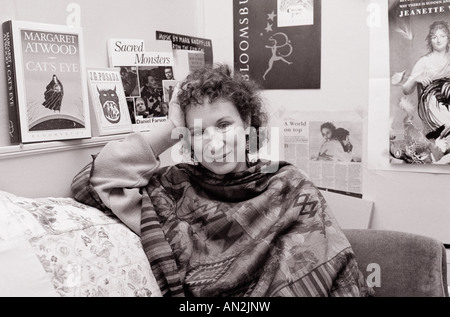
[(219, 158)]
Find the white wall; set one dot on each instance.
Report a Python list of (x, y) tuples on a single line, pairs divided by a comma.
[(102, 20), (404, 201), (50, 174)]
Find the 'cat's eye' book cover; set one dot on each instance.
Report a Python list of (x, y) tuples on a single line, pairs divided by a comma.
[(46, 82), (109, 106)]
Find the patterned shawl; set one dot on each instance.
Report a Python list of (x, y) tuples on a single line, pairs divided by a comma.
[(243, 234)]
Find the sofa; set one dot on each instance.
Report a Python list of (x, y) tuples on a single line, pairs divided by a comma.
[(58, 247)]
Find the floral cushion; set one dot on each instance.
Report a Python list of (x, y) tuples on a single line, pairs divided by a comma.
[(59, 247)]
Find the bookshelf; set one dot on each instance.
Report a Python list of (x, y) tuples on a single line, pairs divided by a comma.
[(32, 149)]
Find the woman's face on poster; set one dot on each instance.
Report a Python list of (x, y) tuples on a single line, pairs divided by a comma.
[(327, 134), (439, 40)]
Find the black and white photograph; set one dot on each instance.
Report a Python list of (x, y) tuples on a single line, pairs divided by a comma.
[(152, 93), (225, 157), (168, 88), (336, 141), (130, 80)]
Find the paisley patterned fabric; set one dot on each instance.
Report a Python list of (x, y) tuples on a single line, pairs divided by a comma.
[(244, 234), (83, 251)]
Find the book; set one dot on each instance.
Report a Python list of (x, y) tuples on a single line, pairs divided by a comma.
[(186, 61), (186, 42), (46, 82), (142, 73), (109, 108)]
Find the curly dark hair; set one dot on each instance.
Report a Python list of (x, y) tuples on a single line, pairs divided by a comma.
[(437, 25), (341, 134), (328, 125), (218, 82)]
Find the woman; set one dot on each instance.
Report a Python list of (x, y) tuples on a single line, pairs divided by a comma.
[(431, 75), (222, 226), (327, 130)]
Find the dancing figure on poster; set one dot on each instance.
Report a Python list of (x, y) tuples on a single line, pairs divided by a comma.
[(282, 44)]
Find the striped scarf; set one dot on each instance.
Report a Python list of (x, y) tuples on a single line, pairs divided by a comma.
[(243, 234)]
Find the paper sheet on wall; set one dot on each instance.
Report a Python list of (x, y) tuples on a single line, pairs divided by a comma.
[(327, 146)]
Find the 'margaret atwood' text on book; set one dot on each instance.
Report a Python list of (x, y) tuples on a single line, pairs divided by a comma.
[(46, 82)]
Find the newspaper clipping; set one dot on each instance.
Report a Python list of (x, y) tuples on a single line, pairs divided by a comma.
[(329, 151)]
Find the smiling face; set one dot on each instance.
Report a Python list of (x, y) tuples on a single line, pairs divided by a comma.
[(217, 136), (439, 40)]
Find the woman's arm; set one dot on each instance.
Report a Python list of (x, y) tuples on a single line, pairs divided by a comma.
[(114, 180), (418, 75), (131, 162)]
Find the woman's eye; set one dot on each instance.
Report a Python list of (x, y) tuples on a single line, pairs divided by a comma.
[(223, 126)]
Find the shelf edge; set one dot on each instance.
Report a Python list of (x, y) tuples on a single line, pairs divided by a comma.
[(30, 149)]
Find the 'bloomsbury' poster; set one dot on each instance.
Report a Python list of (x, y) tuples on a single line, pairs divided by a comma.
[(419, 41), (278, 42)]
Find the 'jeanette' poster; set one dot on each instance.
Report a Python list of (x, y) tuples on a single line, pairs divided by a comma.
[(419, 39), (278, 42)]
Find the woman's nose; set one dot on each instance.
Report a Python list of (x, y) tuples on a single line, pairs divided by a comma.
[(216, 140)]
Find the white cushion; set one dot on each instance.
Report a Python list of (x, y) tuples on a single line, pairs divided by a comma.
[(59, 247)]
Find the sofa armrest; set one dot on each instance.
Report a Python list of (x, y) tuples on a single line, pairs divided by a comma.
[(411, 265)]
